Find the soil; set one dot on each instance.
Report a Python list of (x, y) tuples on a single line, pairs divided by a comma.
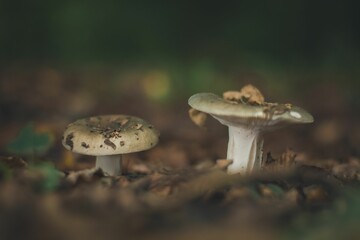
[(308, 187)]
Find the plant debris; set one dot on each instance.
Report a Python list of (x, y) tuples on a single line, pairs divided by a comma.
[(247, 94), (197, 117), (30, 142)]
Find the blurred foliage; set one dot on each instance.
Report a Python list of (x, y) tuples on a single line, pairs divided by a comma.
[(50, 176), (31, 143), (306, 33), (192, 46), (338, 222), (5, 172)]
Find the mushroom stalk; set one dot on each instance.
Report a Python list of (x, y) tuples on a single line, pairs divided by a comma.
[(110, 164), (246, 122), (244, 149)]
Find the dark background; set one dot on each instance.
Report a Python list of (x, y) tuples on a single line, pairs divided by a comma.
[(283, 41), (307, 33), (55, 55)]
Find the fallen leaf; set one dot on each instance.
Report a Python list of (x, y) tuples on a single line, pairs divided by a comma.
[(315, 194), (87, 175), (199, 118), (30, 142), (247, 94), (223, 163)]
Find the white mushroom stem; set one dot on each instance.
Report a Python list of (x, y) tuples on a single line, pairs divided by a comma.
[(110, 164), (244, 149)]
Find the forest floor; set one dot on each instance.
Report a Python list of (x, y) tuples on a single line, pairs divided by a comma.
[(308, 187)]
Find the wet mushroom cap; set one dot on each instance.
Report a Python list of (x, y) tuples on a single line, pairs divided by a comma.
[(267, 114), (109, 135)]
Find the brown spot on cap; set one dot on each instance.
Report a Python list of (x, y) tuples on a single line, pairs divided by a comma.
[(68, 140), (110, 143), (85, 145)]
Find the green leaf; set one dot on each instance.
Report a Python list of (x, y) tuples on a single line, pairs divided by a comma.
[(30, 143), (276, 189), (50, 176), (5, 172)]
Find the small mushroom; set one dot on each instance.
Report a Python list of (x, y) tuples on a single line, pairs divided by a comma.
[(108, 137), (246, 123)]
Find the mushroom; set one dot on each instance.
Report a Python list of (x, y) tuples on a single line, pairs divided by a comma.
[(246, 123), (108, 137)]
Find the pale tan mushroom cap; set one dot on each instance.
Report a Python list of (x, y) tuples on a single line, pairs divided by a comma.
[(109, 135), (267, 114)]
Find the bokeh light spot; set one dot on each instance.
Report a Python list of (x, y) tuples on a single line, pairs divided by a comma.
[(156, 85)]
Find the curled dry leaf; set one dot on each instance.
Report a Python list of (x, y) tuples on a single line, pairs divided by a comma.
[(287, 158), (86, 175), (285, 162), (121, 181), (162, 191), (315, 194), (207, 164), (232, 96), (237, 193), (292, 196), (223, 163), (140, 168), (197, 117), (346, 171), (248, 94), (270, 190)]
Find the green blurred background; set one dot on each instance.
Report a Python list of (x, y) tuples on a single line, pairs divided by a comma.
[(284, 46)]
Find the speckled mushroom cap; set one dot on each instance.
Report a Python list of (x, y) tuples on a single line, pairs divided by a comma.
[(267, 114), (109, 135)]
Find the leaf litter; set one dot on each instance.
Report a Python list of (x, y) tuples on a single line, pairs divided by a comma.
[(294, 196)]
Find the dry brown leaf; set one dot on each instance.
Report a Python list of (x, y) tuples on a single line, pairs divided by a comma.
[(223, 163), (315, 194), (248, 94), (156, 176), (162, 191), (265, 191), (140, 168), (285, 162), (346, 171), (237, 193), (232, 96), (197, 117), (252, 94), (292, 196), (287, 158), (87, 175), (202, 165), (122, 181)]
